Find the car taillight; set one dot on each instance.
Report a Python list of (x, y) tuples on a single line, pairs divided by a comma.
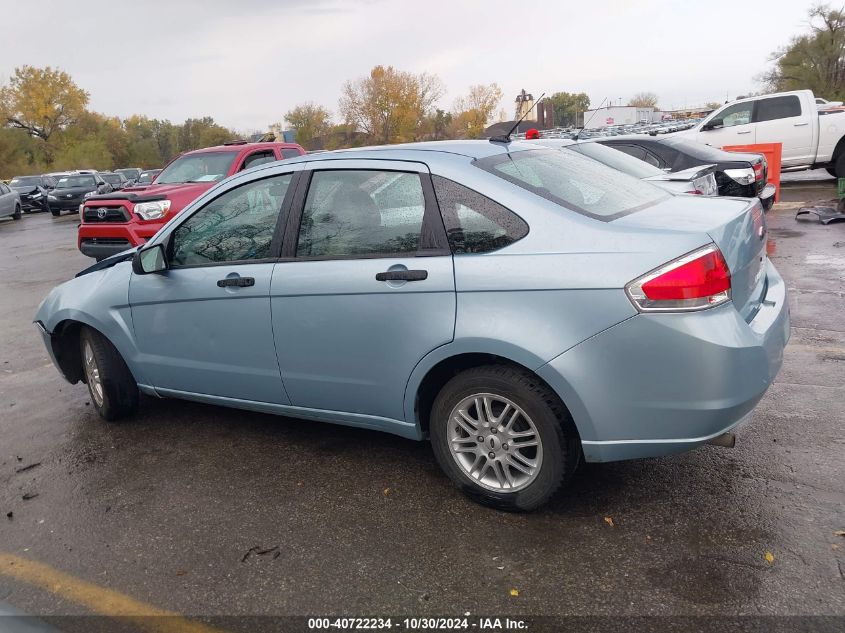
[(696, 281)]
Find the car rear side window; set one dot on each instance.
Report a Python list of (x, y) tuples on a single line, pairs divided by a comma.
[(361, 213), (290, 153), (237, 226), (574, 182), (778, 108), (475, 223), (258, 158)]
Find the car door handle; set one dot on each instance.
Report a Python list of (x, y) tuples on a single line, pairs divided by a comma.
[(801, 124), (240, 282), (745, 132), (402, 275)]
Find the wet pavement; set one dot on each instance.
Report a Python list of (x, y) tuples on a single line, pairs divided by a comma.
[(202, 510)]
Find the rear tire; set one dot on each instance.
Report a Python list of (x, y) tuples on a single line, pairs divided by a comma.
[(56, 212), (17, 214), (512, 450), (113, 390), (831, 171)]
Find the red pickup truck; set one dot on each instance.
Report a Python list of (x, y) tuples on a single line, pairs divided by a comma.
[(114, 222)]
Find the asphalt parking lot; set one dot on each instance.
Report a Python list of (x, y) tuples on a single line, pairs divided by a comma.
[(198, 510)]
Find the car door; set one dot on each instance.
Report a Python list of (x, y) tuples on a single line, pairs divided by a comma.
[(203, 325), (781, 120), (366, 289), (732, 126), (7, 201)]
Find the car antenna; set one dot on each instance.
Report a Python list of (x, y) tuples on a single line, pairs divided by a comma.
[(578, 133), (506, 138)]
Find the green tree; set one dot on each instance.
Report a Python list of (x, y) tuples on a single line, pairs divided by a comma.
[(644, 100), (310, 122), (569, 107), (814, 60)]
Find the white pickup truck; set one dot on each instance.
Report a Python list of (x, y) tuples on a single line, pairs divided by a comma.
[(811, 138)]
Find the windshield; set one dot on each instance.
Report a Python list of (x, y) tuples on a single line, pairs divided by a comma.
[(694, 149), (26, 181), (77, 181), (574, 182), (616, 159), (112, 179), (129, 173), (204, 167)]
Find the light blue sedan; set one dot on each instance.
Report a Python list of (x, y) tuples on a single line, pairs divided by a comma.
[(522, 307)]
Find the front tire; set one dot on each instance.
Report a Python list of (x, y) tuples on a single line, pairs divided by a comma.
[(838, 167), (503, 437), (56, 212), (114, 392), (17, 214)]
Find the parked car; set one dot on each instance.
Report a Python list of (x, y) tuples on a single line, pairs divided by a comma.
[(130, 173), (737, 174), (147, 176), (699, 180), (116, 180), (72, 190), (33, 191), (10, 202), (519, 306), (810, 138), (130, 217)]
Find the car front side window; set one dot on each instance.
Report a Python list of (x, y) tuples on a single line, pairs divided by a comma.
[(361, 213), (739, 114), (237, 226)]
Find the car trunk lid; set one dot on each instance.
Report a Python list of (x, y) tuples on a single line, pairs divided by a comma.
[(736, 226)]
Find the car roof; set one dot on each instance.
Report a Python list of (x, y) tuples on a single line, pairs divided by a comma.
[(236, 147), (421, 151)]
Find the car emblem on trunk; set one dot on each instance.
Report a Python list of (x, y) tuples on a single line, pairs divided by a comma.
[(68, 195), (101, 213)]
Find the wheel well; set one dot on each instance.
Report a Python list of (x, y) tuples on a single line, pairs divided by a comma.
[(445, 370), (66, 349)]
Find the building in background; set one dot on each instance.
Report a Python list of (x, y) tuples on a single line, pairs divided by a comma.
[(524, 104), (620, 115)]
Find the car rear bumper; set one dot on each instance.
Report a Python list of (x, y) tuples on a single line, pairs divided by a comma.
[(767, 196), (659, 384)]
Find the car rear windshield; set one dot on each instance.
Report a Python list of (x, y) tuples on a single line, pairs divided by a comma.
[(112, 179), (77, 181), (574, 182), (697, 150), (26, 181), (203, 167), (618, 160)]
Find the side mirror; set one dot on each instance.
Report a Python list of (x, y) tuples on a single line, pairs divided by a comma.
[(149, 260), (712, 125)]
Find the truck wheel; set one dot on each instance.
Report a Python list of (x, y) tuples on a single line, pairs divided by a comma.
[(504, 438), (113, 390), (839, 167), (56, 212), (831, 171), (17, 214)]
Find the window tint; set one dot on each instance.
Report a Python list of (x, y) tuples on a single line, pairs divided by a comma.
[(360, 213), (574, 182), (738, 114), (475, 223), (290, 153), (258, 158), (632, 150), (237, 226), (778, 108)]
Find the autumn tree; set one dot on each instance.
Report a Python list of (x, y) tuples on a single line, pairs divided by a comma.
[(569, 107), (471, 113), (309, 121), (712, 105), (41, 101), (643, 100), (814, 60), (389, 105)]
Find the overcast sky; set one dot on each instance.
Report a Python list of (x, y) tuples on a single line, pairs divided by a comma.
[(247, 62)]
